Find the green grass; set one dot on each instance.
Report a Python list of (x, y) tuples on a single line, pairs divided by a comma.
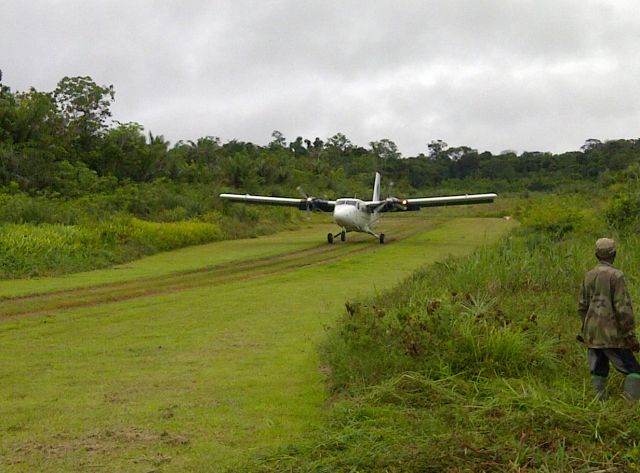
[(52, 249), (49, 249), (201, 377), (472, 365)]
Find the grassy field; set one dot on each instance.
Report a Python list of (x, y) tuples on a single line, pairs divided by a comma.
[(472, 365), (193, 360)]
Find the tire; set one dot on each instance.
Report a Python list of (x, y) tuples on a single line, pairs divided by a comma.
[(330, 238), (343, 235), (382, 238)]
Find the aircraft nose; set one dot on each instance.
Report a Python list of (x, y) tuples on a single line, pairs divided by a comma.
[(341, 215)]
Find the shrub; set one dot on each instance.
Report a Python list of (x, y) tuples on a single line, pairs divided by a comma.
[(623, 212), (166, 236), (33, 250), (39, 249), (554, 216)]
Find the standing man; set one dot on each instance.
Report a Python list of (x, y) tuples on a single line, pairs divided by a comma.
[(608, 326)]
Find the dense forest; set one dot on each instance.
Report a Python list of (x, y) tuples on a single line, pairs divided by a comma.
[(66, 162), (65, 143)]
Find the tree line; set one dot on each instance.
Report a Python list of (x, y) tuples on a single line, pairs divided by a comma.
[(66, 143)]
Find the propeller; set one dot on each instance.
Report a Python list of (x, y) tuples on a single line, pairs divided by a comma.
[(391, 203), (309, 204), (313, 203)]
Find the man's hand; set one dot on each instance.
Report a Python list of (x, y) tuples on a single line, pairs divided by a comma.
[(632, 343)]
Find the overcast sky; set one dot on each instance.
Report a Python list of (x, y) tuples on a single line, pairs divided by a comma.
[(535, 75)]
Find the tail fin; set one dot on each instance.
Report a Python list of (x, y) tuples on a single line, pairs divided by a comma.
[(376, 188)]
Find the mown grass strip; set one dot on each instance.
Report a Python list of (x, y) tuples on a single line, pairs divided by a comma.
[(310, 234), (40, 304)]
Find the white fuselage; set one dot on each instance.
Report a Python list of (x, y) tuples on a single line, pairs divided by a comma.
[(352, 215)]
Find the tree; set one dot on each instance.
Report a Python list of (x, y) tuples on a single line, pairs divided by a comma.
[(278, 139), (240, 171), (436, 147), (8, 111), (203, 150), (84, 105), (340, 142), (385, 149), (35, 122), (464, 161), (591, 143), (318, 144), (298, 148), (124, 153)]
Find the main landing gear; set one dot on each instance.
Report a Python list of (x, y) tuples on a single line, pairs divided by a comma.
[(343, 236), (379, 237)]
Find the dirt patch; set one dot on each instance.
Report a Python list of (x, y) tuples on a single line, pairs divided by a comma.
[(98, 446)]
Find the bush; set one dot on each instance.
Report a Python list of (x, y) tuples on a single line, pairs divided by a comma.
[(166, 236), (30, 250), (623, 212), (554, 216), (45, 249), (443, 334)]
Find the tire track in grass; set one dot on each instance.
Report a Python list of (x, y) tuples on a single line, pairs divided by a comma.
[(47, 303)]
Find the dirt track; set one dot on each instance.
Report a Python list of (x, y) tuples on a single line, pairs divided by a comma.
[(51, 302)]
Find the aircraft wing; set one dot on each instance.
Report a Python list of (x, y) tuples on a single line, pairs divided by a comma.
[(310, 203), (393, 204)]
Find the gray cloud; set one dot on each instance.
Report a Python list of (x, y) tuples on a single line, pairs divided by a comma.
[(491, 74)]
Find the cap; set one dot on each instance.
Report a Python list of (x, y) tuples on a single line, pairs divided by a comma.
[(605, 247)]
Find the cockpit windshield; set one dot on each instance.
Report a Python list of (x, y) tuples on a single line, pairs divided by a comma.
[(346, 202)]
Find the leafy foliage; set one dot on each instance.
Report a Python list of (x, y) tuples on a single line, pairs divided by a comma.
[(71, 129)]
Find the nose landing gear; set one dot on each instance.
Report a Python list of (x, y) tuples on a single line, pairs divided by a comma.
[(343, 236)]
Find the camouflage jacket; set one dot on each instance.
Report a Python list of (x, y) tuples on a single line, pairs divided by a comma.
[(605, 308)]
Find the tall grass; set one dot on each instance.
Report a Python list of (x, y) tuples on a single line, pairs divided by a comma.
[(46, 236), (472, 365), (49, 234), (35, 250), (29, 249)]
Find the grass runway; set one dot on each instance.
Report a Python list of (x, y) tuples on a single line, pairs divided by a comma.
[(195, 359)]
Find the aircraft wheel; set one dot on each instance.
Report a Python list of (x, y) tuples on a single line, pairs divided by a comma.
[(382, 238), (330, 237), (343, 235)]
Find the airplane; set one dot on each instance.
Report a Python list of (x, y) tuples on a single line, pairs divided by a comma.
[(355, 215)]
